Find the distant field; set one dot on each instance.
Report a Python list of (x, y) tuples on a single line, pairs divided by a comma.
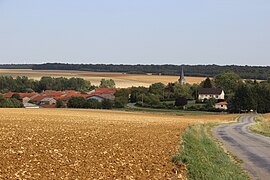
[(121, 80), (69, 144)]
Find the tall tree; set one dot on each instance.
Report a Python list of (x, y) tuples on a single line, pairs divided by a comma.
[(244, 99), (157, 89), (207, 83), (228, 81), (182, 91)]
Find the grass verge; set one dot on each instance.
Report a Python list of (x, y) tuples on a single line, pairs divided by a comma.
[(262, 126), (204, 158)]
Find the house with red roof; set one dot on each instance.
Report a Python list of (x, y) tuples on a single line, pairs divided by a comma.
[(25, 97), (48, 98), (221, 105), (100, 94)]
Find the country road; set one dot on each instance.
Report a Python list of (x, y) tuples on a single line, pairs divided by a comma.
[(253, 149)]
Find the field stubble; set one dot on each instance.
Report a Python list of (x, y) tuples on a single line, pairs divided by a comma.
[(88, 144)]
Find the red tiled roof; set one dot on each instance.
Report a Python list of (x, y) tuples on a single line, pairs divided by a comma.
[(105, 91), (72, 91), (22, 95), (52, 93), (38, 98), (9, 94), (222, 103), (29, 95)]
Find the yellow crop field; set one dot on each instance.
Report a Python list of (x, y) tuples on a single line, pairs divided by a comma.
[(91, 144), (122, 80)]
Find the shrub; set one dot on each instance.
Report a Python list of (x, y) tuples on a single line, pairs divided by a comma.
[(107, 104), (76, 102), (60, 104), (180, 101), (93, 104)]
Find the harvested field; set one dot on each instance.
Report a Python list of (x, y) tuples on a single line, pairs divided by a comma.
[(121, 80), (91, 144)]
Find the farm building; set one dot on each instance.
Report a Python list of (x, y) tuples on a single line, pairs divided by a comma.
[(221, 105), (30, 106), (48, 98), (48, 101), (100, 94), (101, 97), (208, 93)]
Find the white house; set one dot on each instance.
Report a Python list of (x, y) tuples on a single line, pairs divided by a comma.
[(221, 105), (208, 93)]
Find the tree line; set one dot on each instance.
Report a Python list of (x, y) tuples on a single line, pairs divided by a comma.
[(246, 72), (24, 84)]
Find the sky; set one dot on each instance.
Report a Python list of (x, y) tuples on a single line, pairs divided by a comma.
[(135, 32)]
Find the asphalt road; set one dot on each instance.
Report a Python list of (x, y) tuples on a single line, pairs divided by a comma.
[(253, 149)]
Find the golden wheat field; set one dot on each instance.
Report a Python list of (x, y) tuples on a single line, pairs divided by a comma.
[(121, 80), (91, 144)]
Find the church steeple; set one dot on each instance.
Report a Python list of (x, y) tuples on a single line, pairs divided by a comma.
[(182, 77)]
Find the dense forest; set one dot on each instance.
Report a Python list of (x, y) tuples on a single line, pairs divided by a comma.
[(16, 66), (247, 72)]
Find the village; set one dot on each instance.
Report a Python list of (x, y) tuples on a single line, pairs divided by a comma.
[(49, 98)]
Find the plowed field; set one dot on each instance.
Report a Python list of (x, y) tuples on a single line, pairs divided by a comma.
[(86, 144)]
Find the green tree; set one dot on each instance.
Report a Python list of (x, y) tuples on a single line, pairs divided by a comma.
[(76, 102), (16, 96), (93, 104), (180, 101), (107, 104), (207, 83), (136, 92), (120, 102), (60, 103), (157, 89), (228, 81), (182, 91), (107, 83), (243, 99), (10, 103), (151, 99), (46, 83)]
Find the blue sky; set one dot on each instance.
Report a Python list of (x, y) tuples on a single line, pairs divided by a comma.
[(132, 32)]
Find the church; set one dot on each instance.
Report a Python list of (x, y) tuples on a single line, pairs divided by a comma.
[(182, 77)]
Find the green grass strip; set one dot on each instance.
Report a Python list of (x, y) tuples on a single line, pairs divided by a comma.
[(262, 126), (204, 158)]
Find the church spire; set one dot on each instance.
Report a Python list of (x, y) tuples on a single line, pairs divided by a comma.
[(182, 77)]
